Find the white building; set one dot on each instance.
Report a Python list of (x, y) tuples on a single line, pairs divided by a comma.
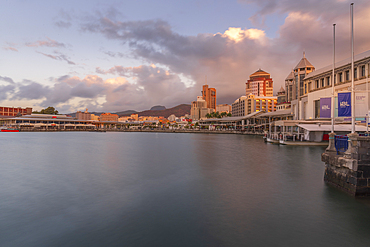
[(318, 84)]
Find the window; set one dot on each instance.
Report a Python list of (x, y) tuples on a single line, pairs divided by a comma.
[(363, 71), (322, 82), (305, 88), (317, 84), (340, 77), (347, 75), (355, 73), (328, 81), (317, 108)]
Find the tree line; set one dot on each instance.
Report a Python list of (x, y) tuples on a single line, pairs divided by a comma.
[(218, 115)]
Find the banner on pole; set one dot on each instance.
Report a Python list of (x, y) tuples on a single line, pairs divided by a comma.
[(344, 104), (325, 108)]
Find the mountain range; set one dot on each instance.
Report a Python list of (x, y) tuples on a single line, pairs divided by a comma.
[(158, 111)]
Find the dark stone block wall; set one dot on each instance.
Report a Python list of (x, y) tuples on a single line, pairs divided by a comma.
[(351, 172)]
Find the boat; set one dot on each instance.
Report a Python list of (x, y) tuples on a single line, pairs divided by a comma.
[(9, 129), (270, 140), (303, 143)]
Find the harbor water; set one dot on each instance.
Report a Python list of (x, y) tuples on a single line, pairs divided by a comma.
[(170, 189)]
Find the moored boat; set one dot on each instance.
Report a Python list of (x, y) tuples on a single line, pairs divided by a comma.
[(9, 129)]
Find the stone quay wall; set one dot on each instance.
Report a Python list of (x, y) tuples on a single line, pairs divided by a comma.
[(350, 171)]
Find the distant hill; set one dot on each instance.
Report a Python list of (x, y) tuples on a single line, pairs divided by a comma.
[(178, 111), (158, 108), (125, 113)]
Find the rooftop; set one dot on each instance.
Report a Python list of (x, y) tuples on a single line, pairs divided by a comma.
[(304, 63), (344, 62)]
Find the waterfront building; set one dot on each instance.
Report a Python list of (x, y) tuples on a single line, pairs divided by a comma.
[(295, 88), (248, 104), (199, 109), (223, 108), (94, 117), (282, 103), (318, 84), (172, 118), (259, 84), (15, 111), (135, 117), (105, 117), (209, 95), (47, 122), (83, 115)]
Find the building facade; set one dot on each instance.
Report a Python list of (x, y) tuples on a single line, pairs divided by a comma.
[(14, 111), (259, 84), (209, 95), (83, 115), (319, 85), (248, 104), (105, 117), (295, 88), (199, 109), (223, 108)]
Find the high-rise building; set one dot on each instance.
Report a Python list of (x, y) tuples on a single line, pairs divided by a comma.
[(259, 84), (209, 95)]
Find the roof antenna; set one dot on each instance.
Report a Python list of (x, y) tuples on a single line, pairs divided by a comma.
[(304, 54)]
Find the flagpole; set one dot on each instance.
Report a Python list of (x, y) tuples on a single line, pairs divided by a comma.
[(353, 80), (331, 146), (332, 83)]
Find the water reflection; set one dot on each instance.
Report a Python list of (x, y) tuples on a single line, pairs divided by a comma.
[(151, 189)]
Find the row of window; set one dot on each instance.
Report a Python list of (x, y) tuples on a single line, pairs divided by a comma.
[(346, 76)]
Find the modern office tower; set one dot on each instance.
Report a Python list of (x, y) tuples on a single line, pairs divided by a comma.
[(209, 95)]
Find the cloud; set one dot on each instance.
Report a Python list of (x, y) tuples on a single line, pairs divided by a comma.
[(6, 79), (5, 91), (31, 91), (59, 57), (114, 54), (63, 24), (9, 48), (48, 43), (228, 58)]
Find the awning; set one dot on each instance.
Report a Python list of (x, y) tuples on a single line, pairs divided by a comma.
[(327, 127), (39, 125)]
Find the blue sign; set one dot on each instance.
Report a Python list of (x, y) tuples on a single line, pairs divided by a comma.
[(344, 104)]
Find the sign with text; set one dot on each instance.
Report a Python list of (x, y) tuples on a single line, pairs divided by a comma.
[(361, 104), (325, 108), (344, 104)]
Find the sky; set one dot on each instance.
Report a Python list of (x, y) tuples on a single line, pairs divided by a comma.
[(117, 55)]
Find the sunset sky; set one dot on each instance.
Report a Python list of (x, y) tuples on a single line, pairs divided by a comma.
[(131, 55)]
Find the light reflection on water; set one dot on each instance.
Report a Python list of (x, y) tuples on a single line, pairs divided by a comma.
[(158, 189)]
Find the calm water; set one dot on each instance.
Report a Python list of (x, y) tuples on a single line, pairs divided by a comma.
[(158, 189)]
